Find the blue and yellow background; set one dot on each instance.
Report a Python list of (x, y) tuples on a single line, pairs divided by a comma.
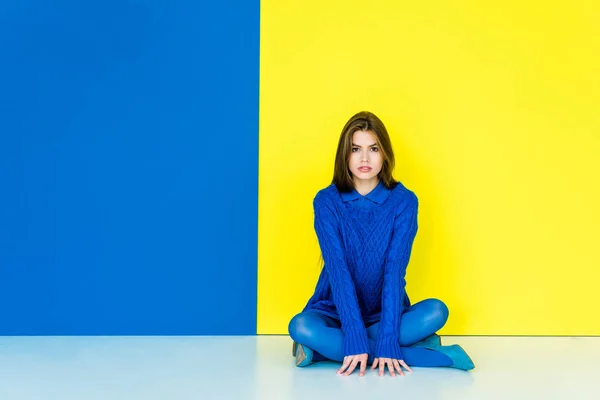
[(158, 159)]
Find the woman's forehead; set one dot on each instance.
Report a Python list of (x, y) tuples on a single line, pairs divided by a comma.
[(364, 138)]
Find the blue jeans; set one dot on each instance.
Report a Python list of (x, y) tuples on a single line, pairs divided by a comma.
[(324, 335)]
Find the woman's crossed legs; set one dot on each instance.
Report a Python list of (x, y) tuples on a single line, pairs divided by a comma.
[(324, 335)]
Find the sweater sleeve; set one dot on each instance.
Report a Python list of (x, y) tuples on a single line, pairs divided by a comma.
[(340, 279), (405, 230)]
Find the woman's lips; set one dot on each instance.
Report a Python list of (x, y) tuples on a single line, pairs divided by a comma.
[(365, 169)]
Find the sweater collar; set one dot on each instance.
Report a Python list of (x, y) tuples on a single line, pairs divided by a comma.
[(377, 195)]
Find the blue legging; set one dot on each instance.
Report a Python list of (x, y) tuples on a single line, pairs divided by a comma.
[(324, 335)]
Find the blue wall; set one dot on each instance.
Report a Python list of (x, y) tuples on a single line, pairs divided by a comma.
[(128, 167)]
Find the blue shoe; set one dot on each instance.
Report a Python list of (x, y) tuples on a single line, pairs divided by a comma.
[(431, 340), (459, 357), (304, 355)]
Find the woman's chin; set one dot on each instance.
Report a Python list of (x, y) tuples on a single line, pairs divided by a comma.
[(364, 176)]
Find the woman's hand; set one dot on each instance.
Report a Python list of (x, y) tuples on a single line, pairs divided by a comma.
[(350, 363), (392, 365)]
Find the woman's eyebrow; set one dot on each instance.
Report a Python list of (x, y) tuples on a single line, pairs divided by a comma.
[(371, 145)]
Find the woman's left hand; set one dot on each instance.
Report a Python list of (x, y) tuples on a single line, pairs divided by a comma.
[(392, 365)]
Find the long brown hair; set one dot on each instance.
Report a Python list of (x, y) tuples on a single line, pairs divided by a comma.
[(363, 121), (342, 178)]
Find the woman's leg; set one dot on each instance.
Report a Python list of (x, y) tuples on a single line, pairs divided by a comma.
[(319, 332), (418, 321), (324, 335)]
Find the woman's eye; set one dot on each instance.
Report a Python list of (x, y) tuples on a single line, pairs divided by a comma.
[(354, 149), (374, 149)]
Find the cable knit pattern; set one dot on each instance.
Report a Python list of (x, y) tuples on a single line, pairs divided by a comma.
[(394, 283), (366, 253)]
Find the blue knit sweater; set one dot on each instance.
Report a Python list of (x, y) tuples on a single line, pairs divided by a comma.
[(366, 252)]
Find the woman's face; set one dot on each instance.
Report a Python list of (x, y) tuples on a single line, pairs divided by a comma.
[(365, 157)]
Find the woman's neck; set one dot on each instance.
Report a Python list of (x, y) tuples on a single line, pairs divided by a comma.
[(365, 186)]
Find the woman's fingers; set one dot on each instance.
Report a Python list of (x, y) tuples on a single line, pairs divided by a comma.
[(390, 368), (352, 366), (345, 365), (390, 365), (393, 365), (363, 366), (398, 368), (375, 362), (405, 366)]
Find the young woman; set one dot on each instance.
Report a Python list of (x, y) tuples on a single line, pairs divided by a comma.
[(366, 223)]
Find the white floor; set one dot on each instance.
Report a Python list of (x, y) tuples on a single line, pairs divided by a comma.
[(206, 368)]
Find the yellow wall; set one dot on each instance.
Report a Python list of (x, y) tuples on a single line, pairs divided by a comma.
[(493, 112)]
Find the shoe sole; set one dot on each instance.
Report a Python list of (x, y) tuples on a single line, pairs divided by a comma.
[(300, 355)]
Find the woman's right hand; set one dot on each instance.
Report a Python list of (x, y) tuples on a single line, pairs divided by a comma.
[(350, 363)]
